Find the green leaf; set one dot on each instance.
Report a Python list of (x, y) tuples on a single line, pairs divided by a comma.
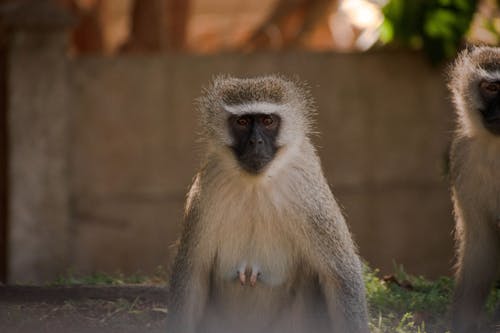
[(437, 26)]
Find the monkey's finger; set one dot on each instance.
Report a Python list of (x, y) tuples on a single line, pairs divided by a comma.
[(253, 277), (242, 277)]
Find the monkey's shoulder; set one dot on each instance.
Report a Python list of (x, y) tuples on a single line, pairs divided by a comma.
[(475, 163), (459, 152), (191, 208)]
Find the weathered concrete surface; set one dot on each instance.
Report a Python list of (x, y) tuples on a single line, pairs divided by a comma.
[(38, 183), (384, 120)]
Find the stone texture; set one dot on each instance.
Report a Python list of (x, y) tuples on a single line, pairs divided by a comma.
[(37, 119), (125, 234)]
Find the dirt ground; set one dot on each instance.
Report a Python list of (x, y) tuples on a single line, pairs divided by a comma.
[(82, 309)]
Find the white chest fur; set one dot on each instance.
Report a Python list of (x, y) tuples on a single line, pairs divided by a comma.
[(250, 228)]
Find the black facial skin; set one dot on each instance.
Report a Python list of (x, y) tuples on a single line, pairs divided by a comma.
[(254, 139), (490, 93)]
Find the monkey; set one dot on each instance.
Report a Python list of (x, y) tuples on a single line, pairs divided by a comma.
[(265, 247), (475, 182)]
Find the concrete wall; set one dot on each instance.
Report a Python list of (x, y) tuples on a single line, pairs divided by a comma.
[(384, 121), (37, 121), (102, 151)]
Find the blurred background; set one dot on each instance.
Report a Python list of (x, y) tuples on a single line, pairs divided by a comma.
[(98, 124)]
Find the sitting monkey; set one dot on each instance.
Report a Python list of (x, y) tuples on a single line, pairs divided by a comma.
[(265, 247)]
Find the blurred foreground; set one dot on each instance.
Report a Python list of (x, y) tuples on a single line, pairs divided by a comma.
[(398, 303)]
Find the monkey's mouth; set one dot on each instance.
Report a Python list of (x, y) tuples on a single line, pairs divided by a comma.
[(255, 159), (491, 119), (492, 125), (254, 163)]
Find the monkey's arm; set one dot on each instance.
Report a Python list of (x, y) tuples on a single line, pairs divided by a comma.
[(334, 258), (477, 265), (189, 283), (477, 239)]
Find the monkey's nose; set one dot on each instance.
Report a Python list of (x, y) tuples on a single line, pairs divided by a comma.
[(259, 141)]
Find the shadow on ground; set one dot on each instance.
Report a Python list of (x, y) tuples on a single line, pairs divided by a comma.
[(82, 309)]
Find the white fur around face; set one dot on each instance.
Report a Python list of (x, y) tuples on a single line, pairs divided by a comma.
[(489, 76), (255, 107), (289, 133)]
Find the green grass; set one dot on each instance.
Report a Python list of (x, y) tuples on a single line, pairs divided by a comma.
[(404, 303), (399, 303)]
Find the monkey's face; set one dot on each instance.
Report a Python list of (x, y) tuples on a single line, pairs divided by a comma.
[(254, 139), (489, 90), (255, 123), (475, 84)]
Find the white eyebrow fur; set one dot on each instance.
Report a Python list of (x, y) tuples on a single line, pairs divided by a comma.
[(489, 75), (256, 107)]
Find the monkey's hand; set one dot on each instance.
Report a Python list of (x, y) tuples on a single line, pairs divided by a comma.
[(252, 272)]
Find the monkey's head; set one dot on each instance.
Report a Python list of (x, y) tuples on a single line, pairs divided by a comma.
[(255, 119), (475, 84)]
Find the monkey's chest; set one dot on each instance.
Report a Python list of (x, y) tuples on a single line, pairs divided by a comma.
[(256, 252), (254, 237), (259, 259)]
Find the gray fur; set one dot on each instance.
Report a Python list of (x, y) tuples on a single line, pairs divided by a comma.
[(475, 185), (285, 221)]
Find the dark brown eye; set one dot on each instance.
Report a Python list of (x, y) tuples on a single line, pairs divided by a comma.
[(242, 121), (267, 120), (489, 88)]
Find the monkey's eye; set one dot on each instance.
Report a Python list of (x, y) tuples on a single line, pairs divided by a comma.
[(267, 120), (242, 121), (489, 88)]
